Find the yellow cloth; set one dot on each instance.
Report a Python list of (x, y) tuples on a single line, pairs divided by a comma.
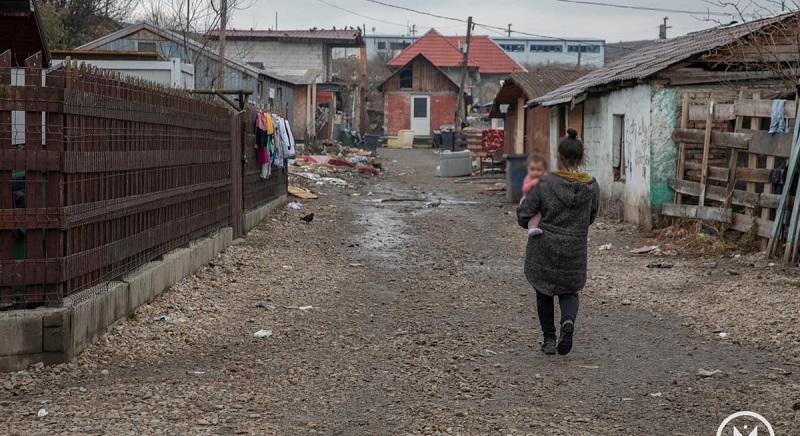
[(574, 176), (268, 123)]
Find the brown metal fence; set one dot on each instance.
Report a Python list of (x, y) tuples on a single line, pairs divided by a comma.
[(101, 174)]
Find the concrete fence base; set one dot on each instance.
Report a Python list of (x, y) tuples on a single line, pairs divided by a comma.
[(55, 335)]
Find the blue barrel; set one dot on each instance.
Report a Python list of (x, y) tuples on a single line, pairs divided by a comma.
[(516, 169)]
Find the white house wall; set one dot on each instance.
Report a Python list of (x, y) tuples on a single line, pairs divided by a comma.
[(278, 54), (632, 196)]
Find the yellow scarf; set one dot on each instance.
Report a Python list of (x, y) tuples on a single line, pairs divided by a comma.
[(574, 176)]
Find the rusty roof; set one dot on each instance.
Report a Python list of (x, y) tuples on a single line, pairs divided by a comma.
[(445, 52), (649, 60), (349, 37), (541, 80)]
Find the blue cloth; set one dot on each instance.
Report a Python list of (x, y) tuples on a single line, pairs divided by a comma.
[(779, 122)]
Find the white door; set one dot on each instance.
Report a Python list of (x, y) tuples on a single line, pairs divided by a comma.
[(421, 115)]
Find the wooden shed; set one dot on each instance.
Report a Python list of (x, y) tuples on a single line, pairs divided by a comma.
[(530, 132), (21, 31)]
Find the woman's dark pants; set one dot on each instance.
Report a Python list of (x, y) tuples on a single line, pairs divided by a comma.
[(544, 304)]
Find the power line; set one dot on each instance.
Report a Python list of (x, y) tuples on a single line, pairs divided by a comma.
[(444, 17), (361, 15), (646, 8)]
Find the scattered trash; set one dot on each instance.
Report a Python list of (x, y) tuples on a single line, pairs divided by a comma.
[(487, 352), (657, 394), (433, 204), (771, 264), (605, 247), (104, 372), (704, 373), (165, 318), (295, 205), (589, 366), (644, 249), (42, 413), (263, 333), (356, 265), (195, 372), (302, 193), (628, 399), (497, 187), (301, 308), (626, 302), (37, 365), (710, 265), (288, 267), (659, 265), (723, 335), (670, 253)]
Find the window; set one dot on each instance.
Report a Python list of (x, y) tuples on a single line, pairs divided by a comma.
[(406, 78), (147, 46), (420, 107), (398, 45), (260, 89), (279, 93), (584, 48), (618, 148), (513, 47), (381, 45), (545, 48)]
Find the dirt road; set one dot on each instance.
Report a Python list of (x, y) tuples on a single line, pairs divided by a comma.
[(421, 322)]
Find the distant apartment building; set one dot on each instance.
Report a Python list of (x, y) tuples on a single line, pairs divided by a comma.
[(531, 51)]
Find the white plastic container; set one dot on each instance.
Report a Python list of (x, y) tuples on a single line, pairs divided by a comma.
[(406, 138), (454, 164)]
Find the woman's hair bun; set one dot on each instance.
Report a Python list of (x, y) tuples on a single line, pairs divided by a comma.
[(572, 133)]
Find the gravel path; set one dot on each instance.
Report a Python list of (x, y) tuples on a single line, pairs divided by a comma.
[(422, 323)]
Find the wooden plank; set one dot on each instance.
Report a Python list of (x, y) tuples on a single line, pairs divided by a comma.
[(763, 142), (681, 78), (697, 212), (681, 166), (744, 223), (718, 193), (777, 226), (706, 149), (755, 122), (718, 139), (733, 162), (760, 108), (724, 112)]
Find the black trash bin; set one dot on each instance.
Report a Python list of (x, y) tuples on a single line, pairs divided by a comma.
[(448, 140), (370, 143), (516, 169)]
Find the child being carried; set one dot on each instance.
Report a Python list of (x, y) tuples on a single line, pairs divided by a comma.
[(537, 168)]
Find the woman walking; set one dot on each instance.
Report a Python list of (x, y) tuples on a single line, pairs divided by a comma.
[(555, 261)]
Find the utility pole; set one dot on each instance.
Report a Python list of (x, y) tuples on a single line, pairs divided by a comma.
[(223, 23), (580, 53), (276, 20), (464, 67), (783, 6), (413, 30), (509, 30)]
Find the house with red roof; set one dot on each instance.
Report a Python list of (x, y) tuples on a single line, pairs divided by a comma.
[(422, 92)]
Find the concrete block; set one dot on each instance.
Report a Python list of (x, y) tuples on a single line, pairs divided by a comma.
[(140, 286), (96, 312), (21, 361), (21, 332), (57, 339), (56, 317), (163, 277), (181, 262)]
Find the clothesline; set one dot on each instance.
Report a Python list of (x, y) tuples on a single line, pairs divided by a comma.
[(274, 142)]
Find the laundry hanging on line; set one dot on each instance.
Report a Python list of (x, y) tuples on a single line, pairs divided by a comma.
[(274, 142)]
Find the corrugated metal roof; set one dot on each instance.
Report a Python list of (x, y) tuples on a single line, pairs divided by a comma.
[(295, 77), (351, 36), (656, 57), (539, 81), (445, 52)]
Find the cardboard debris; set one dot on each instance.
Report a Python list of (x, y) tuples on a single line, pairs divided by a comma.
[(302, 193)]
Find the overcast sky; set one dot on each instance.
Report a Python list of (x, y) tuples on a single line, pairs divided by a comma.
[(546, 17)]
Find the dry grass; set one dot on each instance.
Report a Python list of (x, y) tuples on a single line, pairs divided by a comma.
[(696, 238)]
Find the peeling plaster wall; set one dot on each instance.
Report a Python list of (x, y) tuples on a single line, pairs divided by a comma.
[(554, 114), (632, 197), (663, 150)]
